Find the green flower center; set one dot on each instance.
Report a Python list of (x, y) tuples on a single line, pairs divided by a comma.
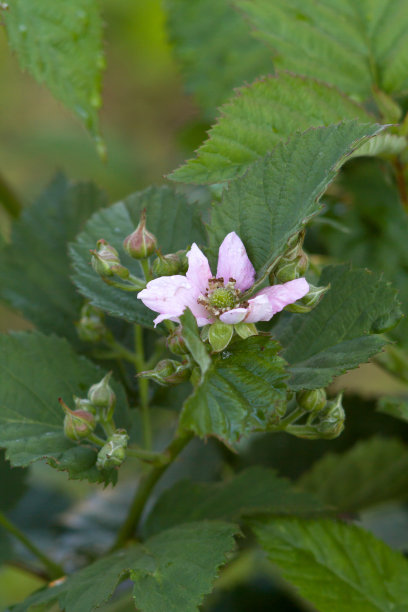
[(222, 298)]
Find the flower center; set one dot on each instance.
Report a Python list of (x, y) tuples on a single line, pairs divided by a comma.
[(220, 298)]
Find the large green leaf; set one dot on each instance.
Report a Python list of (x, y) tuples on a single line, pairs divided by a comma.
[(36, 370), (34, 268), (242, 391), (337, 567), (257, 490), (61, 46), (353, 45), (214, 60), (279, 193), (342, 331), (258, 117), (174, 222), (372, 472)]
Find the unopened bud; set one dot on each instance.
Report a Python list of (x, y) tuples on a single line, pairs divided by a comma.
[(140, 244), (105, 261), (312, 401), (332, 418), (78, 424), (101, 395), (183, 261), (83, 404), (91, 326), (166, 265), (310, 300), (113, 453), (290, 269), (175, 342), (168, 372)]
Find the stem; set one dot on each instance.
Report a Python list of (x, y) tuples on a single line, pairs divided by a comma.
[(148, 456), (146, 270), (402, 188), (293, 416), (145, 488), (143, 387), (54, 570), (96, 439), (9, 199)]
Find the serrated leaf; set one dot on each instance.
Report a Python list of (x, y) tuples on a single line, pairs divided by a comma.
[(243, 391), (61, 46), (214, 60), (34, 268), (173, 221), (384, 144), (396, 407), (195, 345), (12, 484), (337, 567), (257, 490), (340, 333), (355, 46), (279, 193), (260, 116), (35, 370), (372, 472)]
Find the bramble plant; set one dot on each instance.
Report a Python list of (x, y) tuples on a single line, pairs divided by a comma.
[(189, 338)]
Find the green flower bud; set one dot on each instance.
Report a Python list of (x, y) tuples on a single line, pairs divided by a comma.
[(140, 244), (113, 453), (168, 372), (310, 300), (289, 269), (183, 261), (105, 261), (78, 424), (91, 327), (101, 395), (83, 404), (332, 418), (312, 401), (175, 342), (166, 265)]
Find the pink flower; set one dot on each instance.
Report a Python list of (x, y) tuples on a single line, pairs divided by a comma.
[(210, 298)]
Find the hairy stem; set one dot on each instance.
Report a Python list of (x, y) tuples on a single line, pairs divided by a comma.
[(9, 199), (54, 570), (143, 387), (146, 486)]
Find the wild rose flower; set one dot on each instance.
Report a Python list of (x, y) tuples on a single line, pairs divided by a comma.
[(210, 298)]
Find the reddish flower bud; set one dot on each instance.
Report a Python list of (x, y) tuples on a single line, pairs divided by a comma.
[(140, 244)]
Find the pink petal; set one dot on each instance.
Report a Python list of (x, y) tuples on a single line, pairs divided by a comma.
[(233, 262), (198, 271), (236, 315), (168, 295), (280, 296), (259, 309)]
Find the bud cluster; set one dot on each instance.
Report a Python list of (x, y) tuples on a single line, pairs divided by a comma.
[(326, 419), (294, 262)]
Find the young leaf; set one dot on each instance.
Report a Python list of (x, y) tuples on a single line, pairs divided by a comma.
[(372, 472), (214, 60), (34, 268), (257, 490), (36, 370), (337, 567), (182, 226), (342, 331), (242, 391), (353, 46), (61, 46), (279, 193), (258, 117)]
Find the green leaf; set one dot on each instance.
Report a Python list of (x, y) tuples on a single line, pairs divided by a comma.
[(384, 144), (34, 268), (257, 490), (355, 46), (13, 484), (173, 221), (195, 345), (372, 472), (341, 332), (396, 407), (214, 60), (258, 117), (36, 370), (279, 193), (243, 391), (61, 46), (337, 567), (219, 335)]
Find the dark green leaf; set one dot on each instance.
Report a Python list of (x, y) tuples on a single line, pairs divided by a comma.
[(258, 118), (337, 567), (12, 484), (36, 370), (34, 268), (340, 333), (174, 222), (242, 391), (195, 345), (396, 407), (257, 490), (372, 472), (61, 46)]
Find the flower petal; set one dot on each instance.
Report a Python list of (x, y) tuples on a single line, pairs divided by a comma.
[(167, 295), (236, 315), (233, 262), (259, 309), (199, 270), (280, 296)]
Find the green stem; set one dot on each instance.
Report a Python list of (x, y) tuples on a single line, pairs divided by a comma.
[(54, 570), (9, 199), (96, 439), (143, 387), (146, 269), (148, 456), (146, 486), (293, 416)]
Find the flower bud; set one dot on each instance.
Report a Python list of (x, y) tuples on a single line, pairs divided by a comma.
[(105, 261), (91, 327), (83, 404), (311, 401), (183, 261), (332, 418), (78, 424), (310, 300), (175, 342), (113, 453), (140, 244), (101, 395), (168, 372), (166, 265), (290, 269)]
